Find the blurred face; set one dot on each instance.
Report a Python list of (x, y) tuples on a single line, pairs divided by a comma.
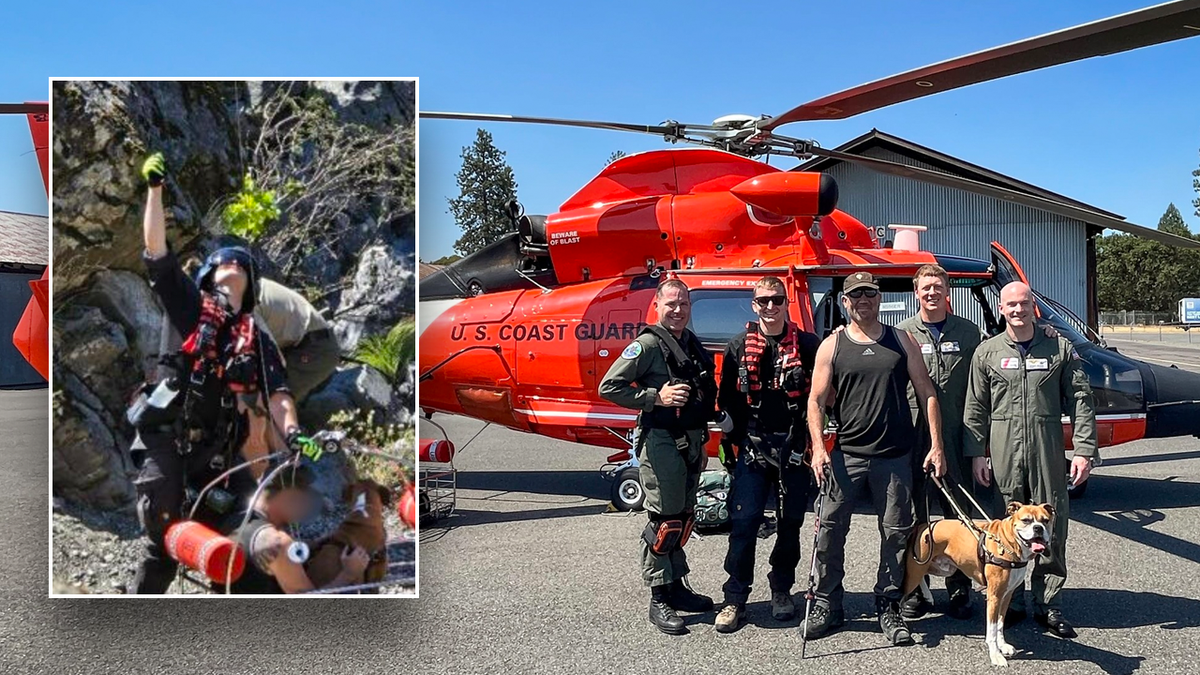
[(862, 304), (931, 293), (231, 280), (290, 505), (1016, 305), (770, 304), (674, 309)]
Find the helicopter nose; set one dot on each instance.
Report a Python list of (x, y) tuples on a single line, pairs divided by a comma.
[(1172, 401)]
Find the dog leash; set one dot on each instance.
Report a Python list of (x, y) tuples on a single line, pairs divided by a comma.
[(980, 534)]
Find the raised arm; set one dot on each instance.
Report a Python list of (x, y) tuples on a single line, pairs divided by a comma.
[(818, 399), (918, 374), (154, 224)]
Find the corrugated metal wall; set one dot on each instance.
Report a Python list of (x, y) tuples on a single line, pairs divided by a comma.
[(1049, 248), (14, 295)]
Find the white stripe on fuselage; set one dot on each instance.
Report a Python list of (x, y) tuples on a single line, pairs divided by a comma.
[(429, 311)]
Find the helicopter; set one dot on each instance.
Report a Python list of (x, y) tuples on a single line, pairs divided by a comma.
[(521, 332), (32, 335)]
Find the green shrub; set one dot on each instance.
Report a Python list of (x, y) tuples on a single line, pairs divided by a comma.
[(248, 215), (391, 352)]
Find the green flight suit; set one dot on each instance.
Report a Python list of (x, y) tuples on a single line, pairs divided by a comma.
[(669, 476), (1015, 404), (948, 359), (949, 363)]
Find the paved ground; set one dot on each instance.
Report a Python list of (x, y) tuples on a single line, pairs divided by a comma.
[(1160, 353), (531, 571)]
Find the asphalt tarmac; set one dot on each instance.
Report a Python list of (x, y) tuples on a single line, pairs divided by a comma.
[(532, 575)]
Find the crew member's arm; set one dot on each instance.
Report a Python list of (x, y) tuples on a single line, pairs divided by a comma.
[(1077, 393), (729, 397), (179, 294), (977, 414), (618, 384), (818, 399), (918, 374), (292, 577)]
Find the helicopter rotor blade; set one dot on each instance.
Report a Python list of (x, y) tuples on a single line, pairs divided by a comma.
[(1140, 28), (1005, 194), (661, 130), (24, 108)]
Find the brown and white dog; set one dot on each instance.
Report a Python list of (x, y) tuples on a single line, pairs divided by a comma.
[(362, 527), (1025, 533)]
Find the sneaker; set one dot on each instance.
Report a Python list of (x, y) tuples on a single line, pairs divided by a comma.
[(730, 618), (915, 605), (894, 628), (782, 606), (822, 620), (661, 614), (684, 599), (960, 605)]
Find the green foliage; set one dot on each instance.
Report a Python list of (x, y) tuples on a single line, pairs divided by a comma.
[(485, 184), (1140, 274), (447, 259), (391, 352), (393, 439), (250, 212), (617, 154)]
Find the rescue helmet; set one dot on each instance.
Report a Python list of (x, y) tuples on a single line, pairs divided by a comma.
[(239, 256)]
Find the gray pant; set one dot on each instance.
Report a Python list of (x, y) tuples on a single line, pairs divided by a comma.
[(889, 482)]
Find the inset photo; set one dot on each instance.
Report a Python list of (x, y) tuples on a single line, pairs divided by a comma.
[(233, 337)]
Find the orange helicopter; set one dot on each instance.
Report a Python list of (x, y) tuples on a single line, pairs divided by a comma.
[(32, 335), (521, 332)]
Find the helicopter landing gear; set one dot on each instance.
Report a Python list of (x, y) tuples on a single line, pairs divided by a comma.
[(627, 491)]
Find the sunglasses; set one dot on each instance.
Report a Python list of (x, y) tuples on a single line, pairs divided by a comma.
[(860, 292), (767, 300)]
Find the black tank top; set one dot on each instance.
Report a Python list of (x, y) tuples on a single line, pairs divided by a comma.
[(871, 406)]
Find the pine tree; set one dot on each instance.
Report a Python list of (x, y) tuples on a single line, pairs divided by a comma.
[(486, 184), (617, 154), (1172, 221)]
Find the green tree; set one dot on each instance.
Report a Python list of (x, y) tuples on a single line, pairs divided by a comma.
[(1139, 274), (617, 154), (485, 184), (447, 259)]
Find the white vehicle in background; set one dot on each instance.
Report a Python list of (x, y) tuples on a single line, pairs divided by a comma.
[(1189, 312)]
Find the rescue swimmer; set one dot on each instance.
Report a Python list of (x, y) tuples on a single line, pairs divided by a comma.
[(1021, 385), (765, 380), (224, 396), (667, 375), (864, 372)]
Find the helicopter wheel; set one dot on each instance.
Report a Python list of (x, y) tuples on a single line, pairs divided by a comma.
[(474, 288), (627, 491)]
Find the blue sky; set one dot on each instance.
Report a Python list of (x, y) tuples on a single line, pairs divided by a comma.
[(1120, 132)]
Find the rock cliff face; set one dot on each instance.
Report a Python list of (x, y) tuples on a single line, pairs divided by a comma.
[(108, 323)]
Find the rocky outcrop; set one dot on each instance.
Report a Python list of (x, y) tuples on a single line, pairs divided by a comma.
[(108, 323)]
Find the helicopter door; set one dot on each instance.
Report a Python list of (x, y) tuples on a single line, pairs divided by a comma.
[(1007, 269)]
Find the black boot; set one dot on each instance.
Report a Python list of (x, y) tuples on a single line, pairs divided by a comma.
[(915, 605), (154, 575), (960, 604), (1054, 622), (822, 620), (894, 628), (662, 615), (684, 599)]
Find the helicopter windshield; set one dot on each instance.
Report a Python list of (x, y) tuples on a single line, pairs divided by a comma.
[(717, 316)]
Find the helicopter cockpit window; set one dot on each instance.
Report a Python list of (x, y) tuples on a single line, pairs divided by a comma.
[(717, 316)]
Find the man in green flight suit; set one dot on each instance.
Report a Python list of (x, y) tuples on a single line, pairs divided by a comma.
[(947, 344), (667, 375), (1021, 384)]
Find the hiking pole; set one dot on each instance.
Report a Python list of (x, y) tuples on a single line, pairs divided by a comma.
[(812, 568)]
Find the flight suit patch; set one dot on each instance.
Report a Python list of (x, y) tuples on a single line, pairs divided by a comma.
[(1037, 364), (927, 348), (949, 347), (633, 351), (1011, 363)]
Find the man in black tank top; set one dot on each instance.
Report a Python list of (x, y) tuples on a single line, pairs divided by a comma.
[(864, 371)]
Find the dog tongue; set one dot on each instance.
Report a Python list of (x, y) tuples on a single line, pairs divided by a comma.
[(1037, 546)]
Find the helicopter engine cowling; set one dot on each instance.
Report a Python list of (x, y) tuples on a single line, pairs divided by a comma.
[(790, 193)]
